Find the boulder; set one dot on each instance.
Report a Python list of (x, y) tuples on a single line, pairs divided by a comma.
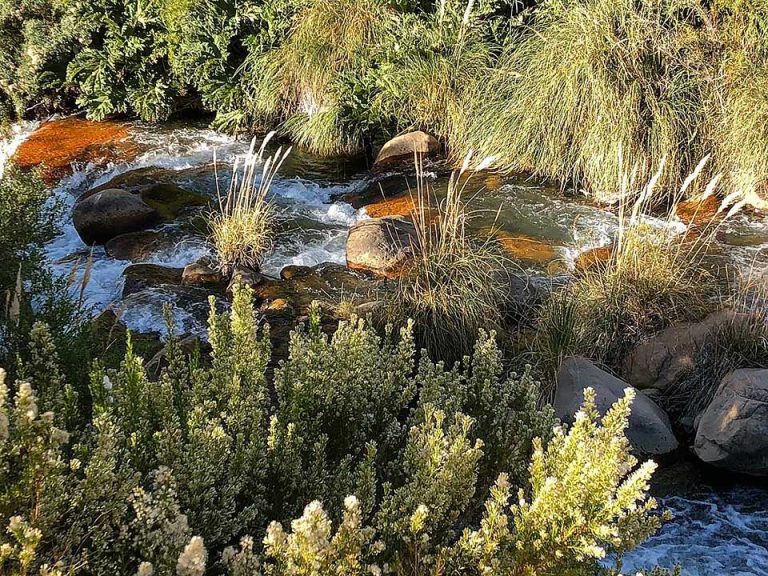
[(139, 277), (663, 359), (649, 429), (110, 213), (202, 274), (401, 148), (732, 432), (381, 245)]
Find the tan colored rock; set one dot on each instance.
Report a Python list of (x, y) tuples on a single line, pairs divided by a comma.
[(649, 429), (381, 245), (732, 432), (109, 213), (663, 359), (401, 148)]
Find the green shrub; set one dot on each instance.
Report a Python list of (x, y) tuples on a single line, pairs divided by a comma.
[(164, 476), (37, 40)]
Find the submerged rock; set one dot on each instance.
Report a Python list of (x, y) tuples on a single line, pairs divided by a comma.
[(139, 277), (733, 431), (649, 429), (109, 213), (169, 199), (663, 359), (381, 245), (57, 144), (330, 284), (139, 246), (401, 148), (202, 274)]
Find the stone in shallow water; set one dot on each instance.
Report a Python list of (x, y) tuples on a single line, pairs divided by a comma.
[(202, 274), (169, 199), (402, 148), (381, 245), (109, 213), (55, 145), (733, 431), (649, 429), (139, 246), (139, 277)]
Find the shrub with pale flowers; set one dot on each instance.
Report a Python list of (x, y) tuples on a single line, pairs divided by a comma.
[(207, 468)]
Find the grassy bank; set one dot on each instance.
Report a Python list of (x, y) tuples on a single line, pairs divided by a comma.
[(582, 92)]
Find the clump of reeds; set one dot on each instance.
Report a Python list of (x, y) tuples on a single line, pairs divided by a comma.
[(242, 230), (456, 283), (655, 276)]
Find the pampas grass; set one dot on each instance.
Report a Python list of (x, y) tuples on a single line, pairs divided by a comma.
[(653, 278), (456, 284), (242, 230)]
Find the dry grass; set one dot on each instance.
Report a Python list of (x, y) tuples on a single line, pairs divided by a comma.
[(242, 230), (456, 283)]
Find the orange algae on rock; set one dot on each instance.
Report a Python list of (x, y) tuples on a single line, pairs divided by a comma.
[(56, 144)]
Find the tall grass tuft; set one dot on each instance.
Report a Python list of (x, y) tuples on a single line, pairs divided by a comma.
[(311, 80), (456, 284), (654, 277), (241, 230), (601, 87)]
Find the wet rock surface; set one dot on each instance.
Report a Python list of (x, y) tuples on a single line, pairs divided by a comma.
[(57, 144), (102, 216), (383, 246), (140, 277), (140, 246)]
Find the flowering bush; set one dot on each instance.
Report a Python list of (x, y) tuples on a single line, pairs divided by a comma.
[(395, 458)]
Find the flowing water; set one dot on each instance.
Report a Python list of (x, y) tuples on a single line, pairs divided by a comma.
[(717, 530)]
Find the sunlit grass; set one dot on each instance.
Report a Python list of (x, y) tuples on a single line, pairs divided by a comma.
[(242, 230), (653, 278), (456, 284)]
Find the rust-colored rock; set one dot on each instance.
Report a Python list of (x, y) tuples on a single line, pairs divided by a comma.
[(698, 212), (593, 257), (399, 206), (527, 249), (55, 145)]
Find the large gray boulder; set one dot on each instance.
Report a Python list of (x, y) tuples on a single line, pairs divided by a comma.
[(649, 429), (733, 431), (401, 148), (381, 245), (663, 359), (109, 213)]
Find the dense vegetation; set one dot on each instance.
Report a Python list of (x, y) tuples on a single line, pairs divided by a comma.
[(578, 90), (163, 476)]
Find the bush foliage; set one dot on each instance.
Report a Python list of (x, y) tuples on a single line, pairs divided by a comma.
[(353, 459)]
